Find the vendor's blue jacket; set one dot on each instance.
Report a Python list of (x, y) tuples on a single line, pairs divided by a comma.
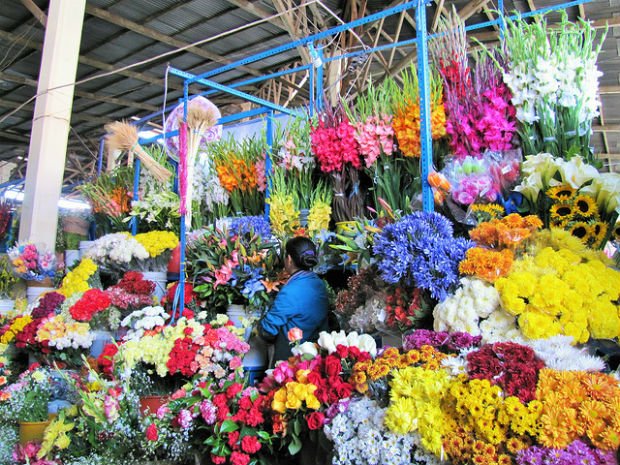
[(301, 303)]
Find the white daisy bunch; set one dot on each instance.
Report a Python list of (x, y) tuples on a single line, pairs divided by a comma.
[(116, 249), (473, 300), (143, 320), (360, 438), (559, 354)]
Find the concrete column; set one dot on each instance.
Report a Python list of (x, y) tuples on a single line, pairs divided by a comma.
[(50, 124)]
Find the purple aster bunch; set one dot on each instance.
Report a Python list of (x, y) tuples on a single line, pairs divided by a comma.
[(577, 452), (442, 340), (250, 225), (420, 250)]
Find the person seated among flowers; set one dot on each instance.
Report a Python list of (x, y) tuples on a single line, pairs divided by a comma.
[(302, 302)]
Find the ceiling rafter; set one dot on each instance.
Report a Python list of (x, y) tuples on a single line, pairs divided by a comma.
[(36, 11)]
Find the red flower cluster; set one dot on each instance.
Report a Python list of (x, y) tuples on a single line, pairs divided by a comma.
[(334, 144), (511, 366), (183, 357), (131, 292), (26, 339), (48, 305), (134, 283), (93, 301), (106, 358), (404, 308)]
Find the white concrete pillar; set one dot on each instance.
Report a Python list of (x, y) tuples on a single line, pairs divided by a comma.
[(50, 124)]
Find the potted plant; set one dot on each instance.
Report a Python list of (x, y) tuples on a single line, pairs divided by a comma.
[(30, 400), (7, 281)]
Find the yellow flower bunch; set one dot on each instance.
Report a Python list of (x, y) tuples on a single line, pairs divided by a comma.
[(58, 327), (283, 215), (77, 280), (56, 436), (154, 349), (415, 404), (367, 371), (319, 217), (558, 292), (483, 427), (296, 394), (16, 326), (157, 242), (578, 404)]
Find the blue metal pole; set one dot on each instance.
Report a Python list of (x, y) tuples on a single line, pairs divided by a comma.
[(180, 293), (268, 155), (312, 82), (191, 78), (426, 159), (100, 155), (136, 193), (306, 40), (502, 23), (319, 81)]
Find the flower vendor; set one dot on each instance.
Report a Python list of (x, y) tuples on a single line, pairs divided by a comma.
[(302, 302)]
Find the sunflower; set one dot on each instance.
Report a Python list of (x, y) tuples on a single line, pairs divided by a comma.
[(560, 213), (599, 232), (584, 206), (581, 230), (487, 212), (616, 232), (562, 193)]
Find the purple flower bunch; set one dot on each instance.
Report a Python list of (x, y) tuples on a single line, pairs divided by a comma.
[(48, 304), (577, 452), (250, 225), (442, 340), (421, 251)]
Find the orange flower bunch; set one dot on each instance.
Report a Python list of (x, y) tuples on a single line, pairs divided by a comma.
[(487, 264), (427, 357), (406, 121), (236, 173), (577, 404), (406, 125), (508, 232)]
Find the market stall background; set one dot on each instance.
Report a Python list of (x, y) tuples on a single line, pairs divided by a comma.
[(119, 33)]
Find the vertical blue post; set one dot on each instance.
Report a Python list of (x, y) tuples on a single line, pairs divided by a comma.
[(180, 294), (319, 81), (175, 180), (312, 79), (100, 155), (502, 22), (136, 188), (269, 130), (426, 159)]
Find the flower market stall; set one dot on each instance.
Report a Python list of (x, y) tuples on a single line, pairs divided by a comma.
[(476, 317)]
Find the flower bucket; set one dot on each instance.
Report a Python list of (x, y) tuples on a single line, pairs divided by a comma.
[(150, 404), (71, 257), (32, 431), (36, 289), (101, 339), (84, 246), (160, 278), (6, 305), (256, 358), (174, 264), (235, 312)]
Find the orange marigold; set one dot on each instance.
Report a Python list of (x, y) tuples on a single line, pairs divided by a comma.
[(487, 264)]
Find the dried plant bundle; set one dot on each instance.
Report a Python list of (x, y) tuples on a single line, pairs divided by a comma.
[(124, 136)]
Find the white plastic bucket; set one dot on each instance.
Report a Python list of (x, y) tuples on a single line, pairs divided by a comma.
[(160, 278), (34, 292)]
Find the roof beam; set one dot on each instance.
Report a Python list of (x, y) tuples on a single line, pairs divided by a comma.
[(471, 8), (82, 94), (437, 15), (163, 38), (606, 90), (92, 62), (258, 11), (36, 11)]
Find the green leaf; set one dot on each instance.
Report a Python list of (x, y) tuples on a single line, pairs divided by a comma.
[(296, 427), (295, 446), (228, 426)]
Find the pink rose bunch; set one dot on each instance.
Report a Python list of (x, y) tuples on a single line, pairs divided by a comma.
[(375, 136), (473, 188)]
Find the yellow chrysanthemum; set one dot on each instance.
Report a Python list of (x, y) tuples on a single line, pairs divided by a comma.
[(157, 242)]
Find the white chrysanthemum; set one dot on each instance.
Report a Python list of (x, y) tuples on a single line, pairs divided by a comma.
[(558, 353)]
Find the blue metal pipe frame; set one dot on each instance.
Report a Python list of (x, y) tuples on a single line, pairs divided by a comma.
[(426, 158)]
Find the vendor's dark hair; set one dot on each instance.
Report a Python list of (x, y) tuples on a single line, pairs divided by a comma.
[(303, 252)]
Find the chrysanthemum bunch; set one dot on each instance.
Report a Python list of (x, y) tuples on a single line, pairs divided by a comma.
[(420, 250), (77, 280), (576, 452), (560, 292), (115, 251), (578, 405), (359, 437)]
